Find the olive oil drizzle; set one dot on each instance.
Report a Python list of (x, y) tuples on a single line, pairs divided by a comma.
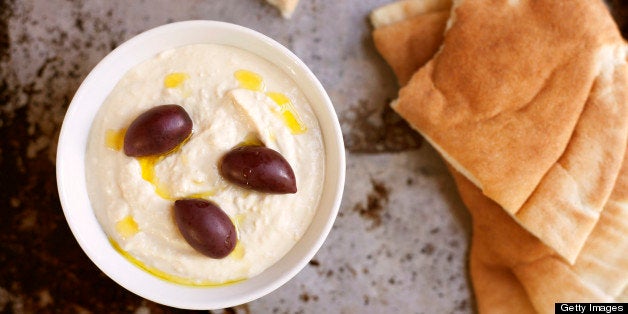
[(166, 276), (249, 80), (287, 113), (174, 80), (114, 139), (127, 227)]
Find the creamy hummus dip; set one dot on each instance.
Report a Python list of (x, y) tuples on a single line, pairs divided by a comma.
[(232, 96)]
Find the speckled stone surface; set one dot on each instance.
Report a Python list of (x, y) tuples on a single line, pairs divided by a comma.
[(399, 244)]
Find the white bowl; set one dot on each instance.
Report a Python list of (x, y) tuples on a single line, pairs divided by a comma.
[(71, 165)]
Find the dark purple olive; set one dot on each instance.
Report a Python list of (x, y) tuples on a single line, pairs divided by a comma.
[(258, 168), (205, 227), (157, 131)]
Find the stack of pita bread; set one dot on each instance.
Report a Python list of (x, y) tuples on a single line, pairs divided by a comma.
[(527, 102)]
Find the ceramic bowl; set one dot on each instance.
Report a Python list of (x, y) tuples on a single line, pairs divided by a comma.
[(71, 165)]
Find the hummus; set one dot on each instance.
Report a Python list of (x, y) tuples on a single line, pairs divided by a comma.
[(232, 96)]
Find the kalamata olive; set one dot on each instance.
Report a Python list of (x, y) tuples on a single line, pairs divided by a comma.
[(258, 168), (205, 227), (157, 131)]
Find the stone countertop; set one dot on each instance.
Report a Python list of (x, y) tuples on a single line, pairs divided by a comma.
[(399, 244)]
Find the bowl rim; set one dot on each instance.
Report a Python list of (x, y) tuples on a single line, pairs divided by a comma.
[(70, 169)]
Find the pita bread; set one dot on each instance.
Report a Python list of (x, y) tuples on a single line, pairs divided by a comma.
[(566, 203), (286, 7), (500, 246), (511, 269), (565, 206), (497, 290), (408, 33), (405, 9), (483, 101), (406, 51)]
